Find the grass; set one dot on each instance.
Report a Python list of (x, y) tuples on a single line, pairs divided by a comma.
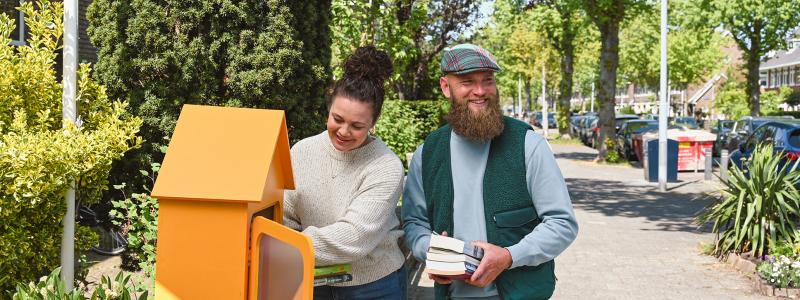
[(560, 141)]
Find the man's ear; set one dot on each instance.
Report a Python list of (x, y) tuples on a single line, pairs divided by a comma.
[(444, 86)]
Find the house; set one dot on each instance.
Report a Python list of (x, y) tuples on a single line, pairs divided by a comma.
[(782, 68), (86, 51)]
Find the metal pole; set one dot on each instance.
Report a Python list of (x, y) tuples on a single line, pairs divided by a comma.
[(544, 102), (592, 109), (69, 115), (723, 165), (709, 163), (662, 112)]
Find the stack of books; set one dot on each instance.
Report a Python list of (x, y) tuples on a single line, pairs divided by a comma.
[(332, 274), (452, 258)]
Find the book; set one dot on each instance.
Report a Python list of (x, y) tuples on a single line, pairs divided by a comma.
[(442, 244), (332, 270), (462, 269), (452, 257), (326, 280)]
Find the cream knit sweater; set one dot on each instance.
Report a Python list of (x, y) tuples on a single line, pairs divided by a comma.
[(345, 201)]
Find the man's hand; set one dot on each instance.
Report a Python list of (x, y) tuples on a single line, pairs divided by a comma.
[(440, 279), (495, 261)]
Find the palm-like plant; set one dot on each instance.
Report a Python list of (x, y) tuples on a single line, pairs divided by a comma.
[(759, 205)]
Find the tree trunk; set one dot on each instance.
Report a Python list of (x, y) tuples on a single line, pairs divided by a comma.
[(528, 94), (753, 89), (609, 61), (565, 86)]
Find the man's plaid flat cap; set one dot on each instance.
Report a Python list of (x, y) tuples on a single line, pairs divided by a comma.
[(465, 58)]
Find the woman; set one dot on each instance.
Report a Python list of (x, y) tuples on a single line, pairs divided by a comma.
[(348, 184)]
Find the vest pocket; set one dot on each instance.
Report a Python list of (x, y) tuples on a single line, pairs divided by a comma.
[(513, 225)]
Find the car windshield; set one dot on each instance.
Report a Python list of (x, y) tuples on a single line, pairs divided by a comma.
[(634, 126), (726, 124)]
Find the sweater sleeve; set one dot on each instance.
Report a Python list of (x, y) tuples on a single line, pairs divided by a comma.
[(368, 218), (415, 213), (551, 199)]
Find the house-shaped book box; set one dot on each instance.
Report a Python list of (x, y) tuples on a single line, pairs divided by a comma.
[(220, 192)]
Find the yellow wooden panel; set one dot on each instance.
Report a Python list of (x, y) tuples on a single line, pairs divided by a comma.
[(202, 250)]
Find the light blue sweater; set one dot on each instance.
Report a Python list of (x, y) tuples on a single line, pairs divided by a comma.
[(545, 184)]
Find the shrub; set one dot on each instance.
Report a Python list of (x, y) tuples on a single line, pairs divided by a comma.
[(39, 158), (160, 55), (612, 156), (759, 205), (137, 216), (780, 271), (52, 288), (403, 125)]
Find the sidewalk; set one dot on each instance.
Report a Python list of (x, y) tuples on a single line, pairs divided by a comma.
[(634, 242)]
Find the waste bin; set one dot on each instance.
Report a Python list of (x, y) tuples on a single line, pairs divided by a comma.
[(651, 160)]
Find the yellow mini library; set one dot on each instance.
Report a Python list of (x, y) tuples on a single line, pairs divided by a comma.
[(220, 192)]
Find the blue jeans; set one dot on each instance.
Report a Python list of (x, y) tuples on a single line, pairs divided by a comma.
[(390, 287)]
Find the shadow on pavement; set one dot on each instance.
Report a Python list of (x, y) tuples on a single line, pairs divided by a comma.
[(671, 211), (584, 156)]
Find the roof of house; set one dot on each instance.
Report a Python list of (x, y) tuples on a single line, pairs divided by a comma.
[(782, 59)]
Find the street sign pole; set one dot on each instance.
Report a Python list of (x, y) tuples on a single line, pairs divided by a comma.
[(544, 102)]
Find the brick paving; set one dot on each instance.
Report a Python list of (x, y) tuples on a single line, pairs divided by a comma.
[(634, 242)]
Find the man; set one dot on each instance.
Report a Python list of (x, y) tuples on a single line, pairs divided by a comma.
[(489, 179)]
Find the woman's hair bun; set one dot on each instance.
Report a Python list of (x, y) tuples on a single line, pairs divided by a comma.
[(367, 62)]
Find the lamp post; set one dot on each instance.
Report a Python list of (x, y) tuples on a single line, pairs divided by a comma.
[(69, 115), (664, 104)]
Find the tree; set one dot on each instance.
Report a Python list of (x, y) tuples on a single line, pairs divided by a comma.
[(607, 16), (414, 32), (694, 49), (758, 27), (160, 55), (561, 21)]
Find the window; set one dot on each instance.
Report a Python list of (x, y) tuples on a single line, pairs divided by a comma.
[(797, 75), (19, 33), (755, 139)]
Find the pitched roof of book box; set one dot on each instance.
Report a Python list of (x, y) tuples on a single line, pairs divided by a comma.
[(225, 154)]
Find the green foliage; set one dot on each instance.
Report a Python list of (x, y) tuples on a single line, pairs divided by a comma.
[(758, 27), (137, 216), (612, 156), (52, 288), (732, 101), (412, 32), (694, 50), (160, 55), (404, 125), (759, 205), (627, 109), (39, 158), (793, 98)]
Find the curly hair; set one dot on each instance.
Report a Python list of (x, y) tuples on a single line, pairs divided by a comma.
[(365, 72)]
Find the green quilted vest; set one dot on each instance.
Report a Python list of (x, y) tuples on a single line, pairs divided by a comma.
[(508, 206)]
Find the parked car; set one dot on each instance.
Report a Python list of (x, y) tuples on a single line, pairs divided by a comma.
[(574, 123), (721, 128), (594, 134), (742, 129), (626, 132), (686, 122), (585, 128), (551, 120), (783, 134)]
